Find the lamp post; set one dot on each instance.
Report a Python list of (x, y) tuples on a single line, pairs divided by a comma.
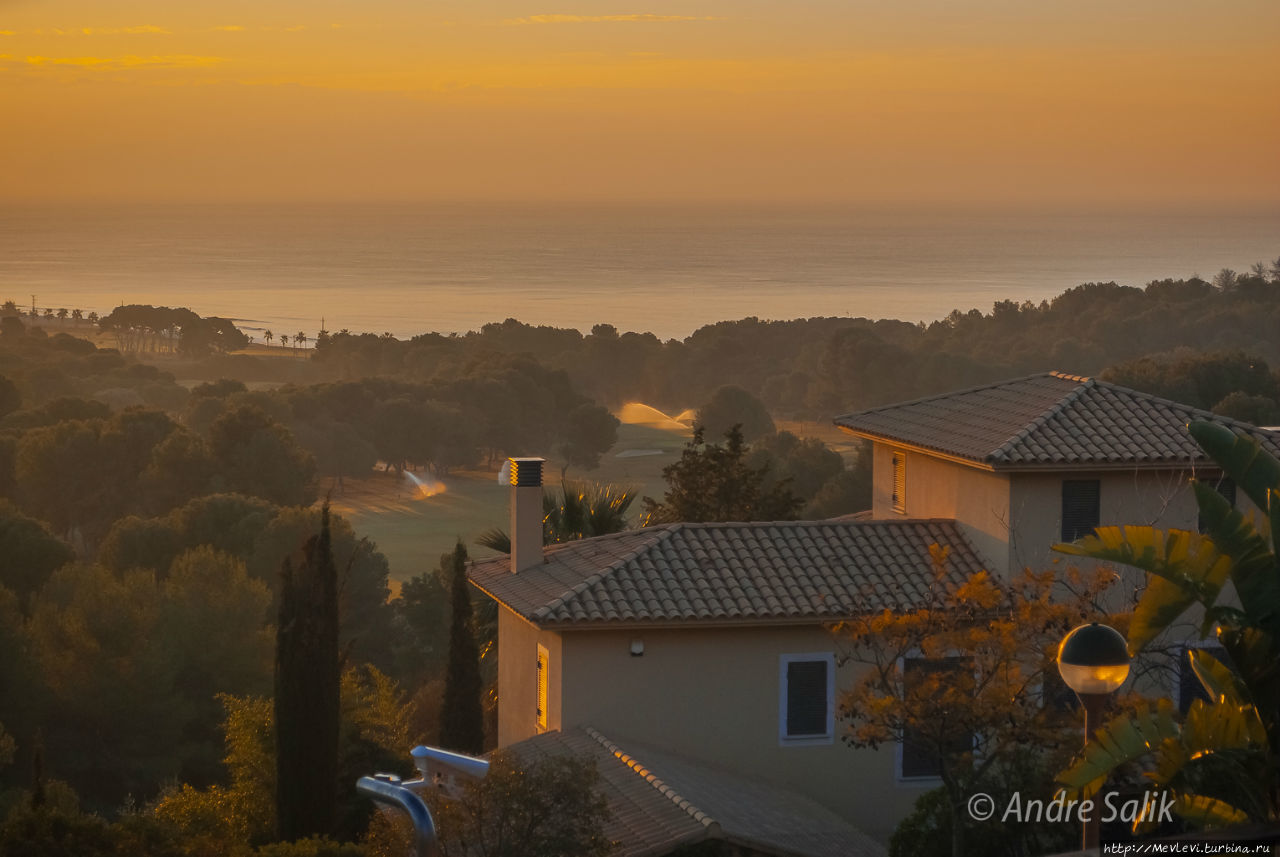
[(1094, 661)]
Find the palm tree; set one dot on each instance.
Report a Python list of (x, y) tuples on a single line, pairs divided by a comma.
[(300, 338), (93, 318), (268, 336), (62, 314), (1222, 763), (284, 340), (77, 316), (584, 509)]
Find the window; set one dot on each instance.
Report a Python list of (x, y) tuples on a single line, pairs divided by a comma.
[(1081, 505), (900, 482), (542, 690), (1189, 687), (918, 754), (1224, 486), (806, 705)]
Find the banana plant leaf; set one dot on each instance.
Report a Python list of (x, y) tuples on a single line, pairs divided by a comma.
[(1213, 728), (1218, 681), (1254, 652), (1254, 470), (1121, 740), (1187, 568), (1223, 737), (1203, 811), (1254, 570)]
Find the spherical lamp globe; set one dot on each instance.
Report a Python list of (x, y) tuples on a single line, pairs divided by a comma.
[(1093, 659)]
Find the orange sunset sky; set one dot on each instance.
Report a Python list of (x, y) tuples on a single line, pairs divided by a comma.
[(1094, 102)]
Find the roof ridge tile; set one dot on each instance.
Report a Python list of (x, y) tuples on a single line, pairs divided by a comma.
[(1071, 396), (712, 826), (934, 397)]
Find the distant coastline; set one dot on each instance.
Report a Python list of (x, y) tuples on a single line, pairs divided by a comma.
[(408, 270)]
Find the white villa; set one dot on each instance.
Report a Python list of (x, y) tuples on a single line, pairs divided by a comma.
[(693, 661)]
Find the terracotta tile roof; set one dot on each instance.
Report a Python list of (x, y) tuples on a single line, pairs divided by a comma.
[(754, 572), (660, 802), (1051, 421)]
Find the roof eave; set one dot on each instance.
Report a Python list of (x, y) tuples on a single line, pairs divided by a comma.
[(1032, 467), (512, 610), (927, 450), (687, 624)]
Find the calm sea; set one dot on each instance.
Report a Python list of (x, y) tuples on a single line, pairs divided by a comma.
[(414, 268)]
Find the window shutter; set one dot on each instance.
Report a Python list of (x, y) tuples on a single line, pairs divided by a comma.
[(542, 689), (1081, 507), (806, 698), (899, 482)]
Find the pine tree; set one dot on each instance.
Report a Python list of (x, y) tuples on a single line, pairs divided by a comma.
[(715, 482), (462, 716), (306, 692)]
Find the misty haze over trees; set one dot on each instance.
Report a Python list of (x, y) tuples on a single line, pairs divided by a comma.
[(144, 522)]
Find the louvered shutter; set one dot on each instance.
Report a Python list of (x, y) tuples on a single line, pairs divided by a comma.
[(806, 698), (1081, 507), (542, 688), (899, 482)]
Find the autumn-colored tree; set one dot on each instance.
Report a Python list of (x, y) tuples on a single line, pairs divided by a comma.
[(962, 679)]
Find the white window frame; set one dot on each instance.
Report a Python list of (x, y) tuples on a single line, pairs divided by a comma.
[(829, 736), (541, 688)]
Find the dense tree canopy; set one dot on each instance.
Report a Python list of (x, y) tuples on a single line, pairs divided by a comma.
[(715, 482), (731, 405)]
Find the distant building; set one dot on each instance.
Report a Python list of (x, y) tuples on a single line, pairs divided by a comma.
[(695, 658)]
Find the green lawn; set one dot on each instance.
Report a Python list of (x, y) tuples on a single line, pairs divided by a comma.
[(414, 531)]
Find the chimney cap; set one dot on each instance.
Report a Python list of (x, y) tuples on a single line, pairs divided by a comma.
[(526, 472)]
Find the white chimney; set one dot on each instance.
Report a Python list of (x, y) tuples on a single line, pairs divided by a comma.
[(526, 513)]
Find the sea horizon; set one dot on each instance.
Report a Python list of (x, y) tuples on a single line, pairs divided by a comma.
[(665, 268)]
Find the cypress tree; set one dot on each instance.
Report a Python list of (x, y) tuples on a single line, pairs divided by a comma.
[(307, 687), (462, 715)]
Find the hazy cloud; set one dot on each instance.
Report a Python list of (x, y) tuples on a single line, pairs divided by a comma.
[(230, 28), (130, 61), (123, 31), (609, 19)]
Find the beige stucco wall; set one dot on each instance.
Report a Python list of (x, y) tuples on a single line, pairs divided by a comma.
[(977, 499), (518, 643), (713, 694), (1160, 498)]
